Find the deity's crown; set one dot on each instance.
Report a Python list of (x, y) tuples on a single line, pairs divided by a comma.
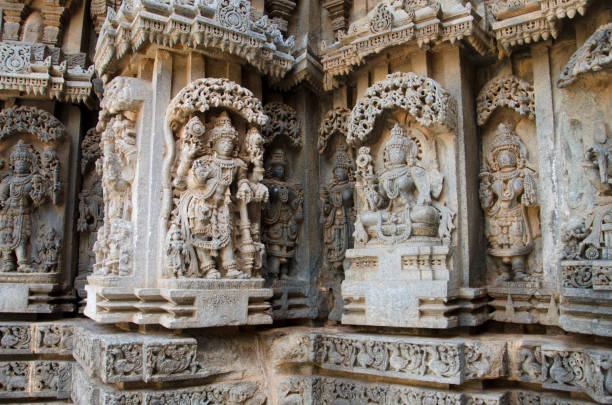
[(22, 152), (506, 139), (223, 128), (342, 158), (398, 139), (278, 157)]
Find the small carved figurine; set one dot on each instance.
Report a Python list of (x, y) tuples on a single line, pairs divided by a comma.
[(281, 216), (337, 213), (507, 188)]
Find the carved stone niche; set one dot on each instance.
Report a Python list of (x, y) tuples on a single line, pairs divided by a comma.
[(204, 232), (336, 204), (34, 269), (585, 127), (403, 268), (285, 264), (509, 197)]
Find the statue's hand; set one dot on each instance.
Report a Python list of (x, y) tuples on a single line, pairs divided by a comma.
[(261, 193), (244, 192)]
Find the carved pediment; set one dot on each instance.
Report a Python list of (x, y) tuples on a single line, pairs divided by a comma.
[(594, 55), (227, 26)]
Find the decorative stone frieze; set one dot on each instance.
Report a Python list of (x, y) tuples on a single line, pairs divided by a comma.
[(389, 24), (594, 55), (225, 26)]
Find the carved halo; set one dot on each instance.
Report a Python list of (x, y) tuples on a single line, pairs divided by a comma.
[(30, 120), (334, 122), (200, 96), (505, 91), (594, 55), (283, 122), (421, 97)]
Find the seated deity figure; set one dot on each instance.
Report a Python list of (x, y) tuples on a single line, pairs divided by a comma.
[(397, 204), (207, 209), (507, 188), (281, 216), (337, 213), (20, 193)]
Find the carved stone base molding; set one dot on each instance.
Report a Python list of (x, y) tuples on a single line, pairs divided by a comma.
[(185, 303), (43, 368), (523, 302), (407, 287), (292, 299)]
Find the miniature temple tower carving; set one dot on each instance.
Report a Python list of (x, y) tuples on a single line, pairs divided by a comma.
[(507, 188)]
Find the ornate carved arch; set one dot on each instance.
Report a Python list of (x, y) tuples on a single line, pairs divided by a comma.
[(283, 121), (200, 96), (594, 55), (505, 91), (421, 97), (30, 120), (334, 122)]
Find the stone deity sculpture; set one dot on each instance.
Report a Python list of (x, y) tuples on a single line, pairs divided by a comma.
[(337, 212), (281, 216), (21, 192), (507, 188), (216, 195), (396, 204)]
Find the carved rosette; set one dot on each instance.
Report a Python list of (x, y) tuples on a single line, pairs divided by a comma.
[(505, 91), (594, 55), (213, 233)]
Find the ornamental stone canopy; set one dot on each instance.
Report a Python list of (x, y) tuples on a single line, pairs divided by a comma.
[(283, 202)]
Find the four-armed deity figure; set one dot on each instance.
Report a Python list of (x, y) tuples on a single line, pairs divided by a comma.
[(397, 204), (217, 188), (507, 188), (281, 216), (20, 193), (337, 213)]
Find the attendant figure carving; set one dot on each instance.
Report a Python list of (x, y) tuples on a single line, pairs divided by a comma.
[(507, 189), (281, 216), (337, 212), (22, 190)]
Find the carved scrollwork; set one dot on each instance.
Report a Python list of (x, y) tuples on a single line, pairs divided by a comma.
[(594, 55), (422, 98), (505, 91), (283, 121), (334, 122)]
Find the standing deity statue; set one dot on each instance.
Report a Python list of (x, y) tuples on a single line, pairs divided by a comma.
[(217, 190), (281, 216), (396, 204), (337, 212), (21, 191), (507, 189)]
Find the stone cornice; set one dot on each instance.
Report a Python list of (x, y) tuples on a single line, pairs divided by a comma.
[(201, 26), (425, 25), (41, 71)]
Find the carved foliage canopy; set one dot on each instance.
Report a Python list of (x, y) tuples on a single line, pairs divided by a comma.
[(283, 121), (30, 120), (422, 98), (334, 122), (204, 94), (505, 91), (594, 55)]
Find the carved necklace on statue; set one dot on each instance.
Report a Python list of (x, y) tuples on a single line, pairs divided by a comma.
[(225, 167)]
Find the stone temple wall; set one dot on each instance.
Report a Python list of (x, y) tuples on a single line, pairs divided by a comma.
[(303, 202)]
